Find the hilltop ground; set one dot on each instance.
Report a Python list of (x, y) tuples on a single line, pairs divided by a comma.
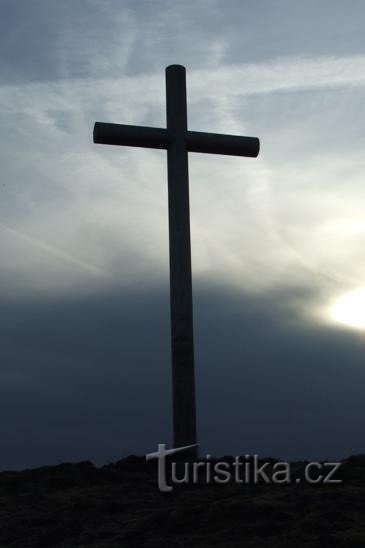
[(120, 505)]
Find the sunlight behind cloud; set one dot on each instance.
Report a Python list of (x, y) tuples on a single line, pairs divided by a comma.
[(349, 309)]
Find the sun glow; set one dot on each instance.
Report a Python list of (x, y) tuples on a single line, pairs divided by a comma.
[(350, 309)]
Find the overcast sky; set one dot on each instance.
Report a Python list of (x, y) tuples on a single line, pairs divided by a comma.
[(277, 242)]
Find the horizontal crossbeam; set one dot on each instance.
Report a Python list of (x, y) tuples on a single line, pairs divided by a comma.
[(196, 141), (132, 136), (216, 143)]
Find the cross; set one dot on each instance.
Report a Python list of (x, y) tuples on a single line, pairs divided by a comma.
[(178, 141)]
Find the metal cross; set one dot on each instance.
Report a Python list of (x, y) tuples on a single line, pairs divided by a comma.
[(178, 141)]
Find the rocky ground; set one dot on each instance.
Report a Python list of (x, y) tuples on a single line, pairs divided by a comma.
[(120, 505)]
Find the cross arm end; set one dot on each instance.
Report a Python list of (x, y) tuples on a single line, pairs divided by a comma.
[(134, 136), (216, 143)]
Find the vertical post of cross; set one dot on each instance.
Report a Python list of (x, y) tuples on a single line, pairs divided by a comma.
[(181, 302)]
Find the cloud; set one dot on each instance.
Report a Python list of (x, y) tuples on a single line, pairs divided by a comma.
[(249, 217), (283, 74), (89, 377)]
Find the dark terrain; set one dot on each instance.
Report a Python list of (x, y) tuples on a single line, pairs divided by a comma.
[(120, 505)]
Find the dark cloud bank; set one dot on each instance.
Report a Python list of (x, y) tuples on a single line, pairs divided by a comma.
[(89, 378)]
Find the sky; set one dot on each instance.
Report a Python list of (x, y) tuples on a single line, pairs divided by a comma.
[(277, 241)]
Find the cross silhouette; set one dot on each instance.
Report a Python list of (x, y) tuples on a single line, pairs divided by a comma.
[(178, 141)]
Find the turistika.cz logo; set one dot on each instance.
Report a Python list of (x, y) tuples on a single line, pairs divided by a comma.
[(247, 470)]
